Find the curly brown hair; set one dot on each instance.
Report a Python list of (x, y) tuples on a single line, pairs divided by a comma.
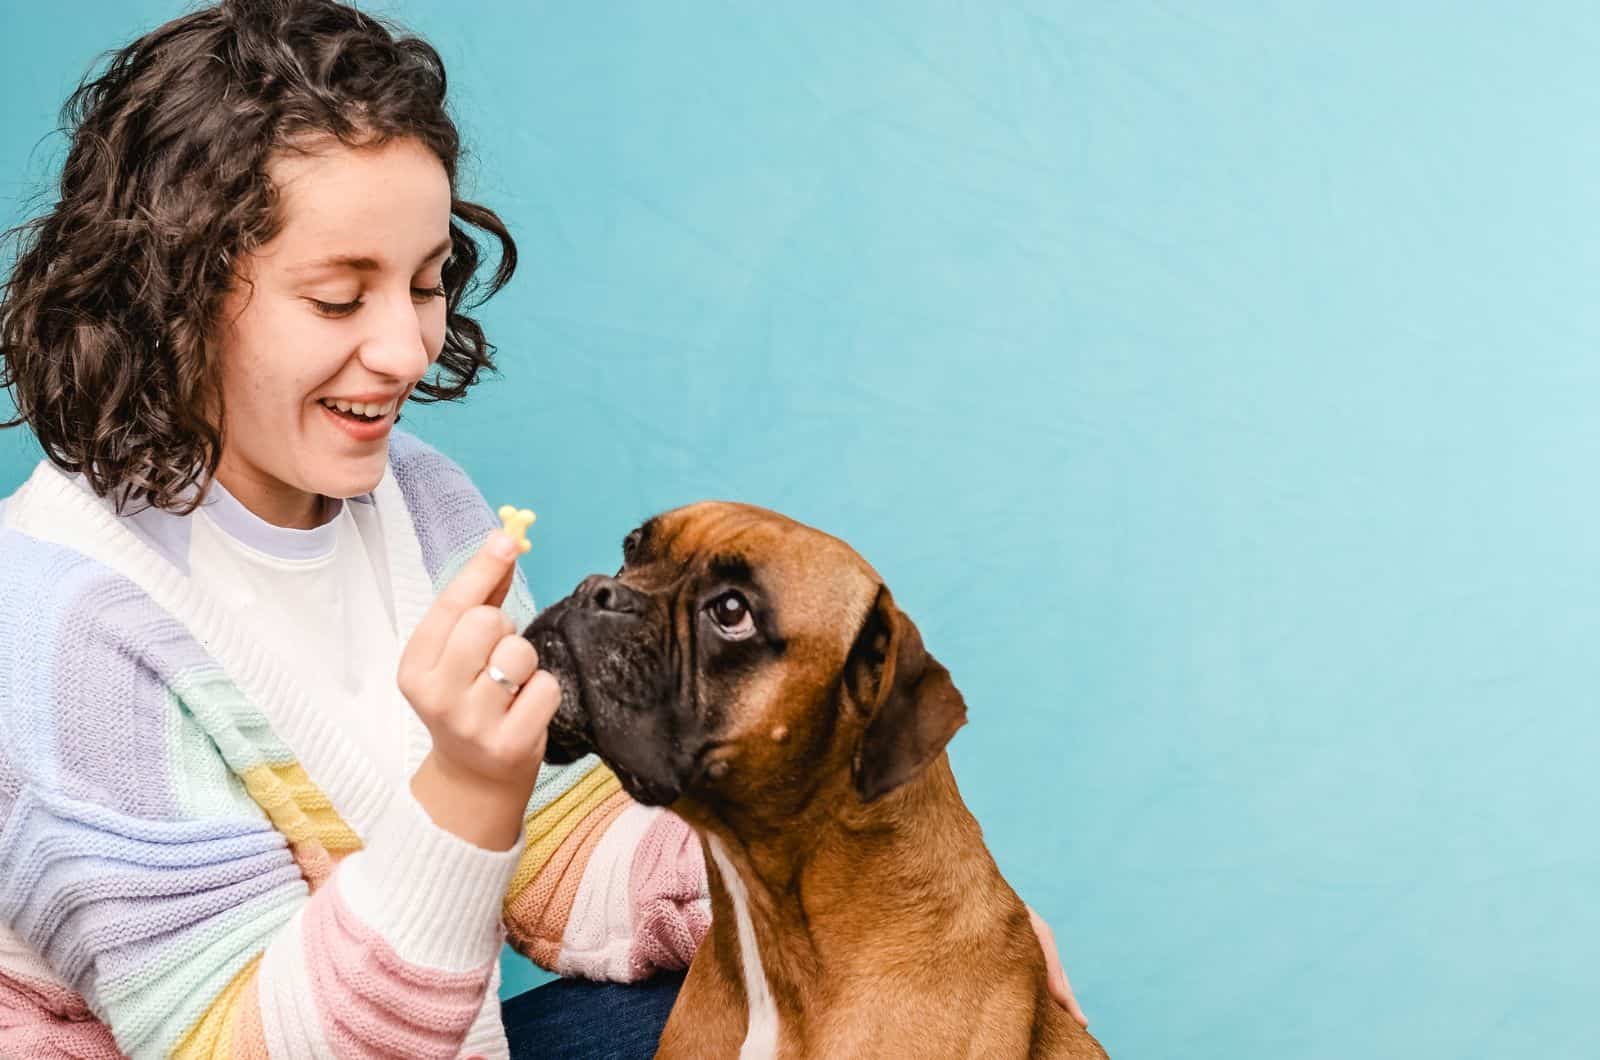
[(105, 318)]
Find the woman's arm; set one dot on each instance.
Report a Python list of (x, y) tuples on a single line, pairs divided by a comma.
[(195, 899), (607, 888), (42, 1016)]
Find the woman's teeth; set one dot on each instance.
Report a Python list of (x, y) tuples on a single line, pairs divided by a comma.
[(362, 409)]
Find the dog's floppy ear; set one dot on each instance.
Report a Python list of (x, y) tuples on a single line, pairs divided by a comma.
[(912, 706)]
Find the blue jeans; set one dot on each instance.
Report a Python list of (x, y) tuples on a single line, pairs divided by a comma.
[(579, 1020)]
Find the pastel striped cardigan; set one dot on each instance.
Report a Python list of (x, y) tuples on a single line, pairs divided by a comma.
[(181, 876)]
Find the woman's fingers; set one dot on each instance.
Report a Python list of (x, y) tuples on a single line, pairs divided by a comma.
[(475, 584), (1055, 975), (466, 653), (526, 722), (516, 659)]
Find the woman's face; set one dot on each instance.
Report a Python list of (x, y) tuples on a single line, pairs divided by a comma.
[(346, 306)]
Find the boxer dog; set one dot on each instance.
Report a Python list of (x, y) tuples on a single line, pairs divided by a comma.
[(755, 675)]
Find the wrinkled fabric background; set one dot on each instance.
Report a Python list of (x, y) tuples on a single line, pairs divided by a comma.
[(1216, 386)]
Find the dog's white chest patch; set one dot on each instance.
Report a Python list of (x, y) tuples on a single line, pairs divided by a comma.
[(761, 1039)]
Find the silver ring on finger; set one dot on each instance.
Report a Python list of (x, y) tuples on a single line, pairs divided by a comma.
[(498, 676)]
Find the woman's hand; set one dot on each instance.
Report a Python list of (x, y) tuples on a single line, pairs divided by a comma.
[(1060, 988), (487, 743)]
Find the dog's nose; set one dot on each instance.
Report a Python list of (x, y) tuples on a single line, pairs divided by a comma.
[(602, 593)]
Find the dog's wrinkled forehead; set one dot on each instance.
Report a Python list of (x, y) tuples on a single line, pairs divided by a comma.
[(823, 583)]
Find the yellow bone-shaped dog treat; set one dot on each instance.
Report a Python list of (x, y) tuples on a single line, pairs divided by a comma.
[(517, 521)]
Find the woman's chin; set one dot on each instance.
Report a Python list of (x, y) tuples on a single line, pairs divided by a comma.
[(357, 479)]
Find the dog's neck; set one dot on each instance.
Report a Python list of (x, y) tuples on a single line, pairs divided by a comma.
[(838, 891)]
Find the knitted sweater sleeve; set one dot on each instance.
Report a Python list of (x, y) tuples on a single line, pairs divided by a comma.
[(606, 888), (185, 897)]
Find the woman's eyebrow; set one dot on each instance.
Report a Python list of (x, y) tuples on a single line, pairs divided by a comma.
[(361, 263)]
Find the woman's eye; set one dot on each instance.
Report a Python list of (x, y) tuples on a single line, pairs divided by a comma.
[(731, 613), (344, 309), (336, 309)]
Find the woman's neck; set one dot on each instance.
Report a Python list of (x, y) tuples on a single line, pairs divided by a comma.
[(274, 502)]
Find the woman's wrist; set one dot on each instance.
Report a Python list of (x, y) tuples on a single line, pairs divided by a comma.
[(480, 810)]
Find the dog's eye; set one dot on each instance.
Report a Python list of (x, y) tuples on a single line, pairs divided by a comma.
[(731, 613)]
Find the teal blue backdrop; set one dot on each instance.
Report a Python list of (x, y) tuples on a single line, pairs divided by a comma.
[(1215, 384)]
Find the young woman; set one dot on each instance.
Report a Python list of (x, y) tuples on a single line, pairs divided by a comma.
[(269, 741)]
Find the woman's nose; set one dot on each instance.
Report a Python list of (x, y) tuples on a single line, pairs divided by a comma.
[(397, 347)]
